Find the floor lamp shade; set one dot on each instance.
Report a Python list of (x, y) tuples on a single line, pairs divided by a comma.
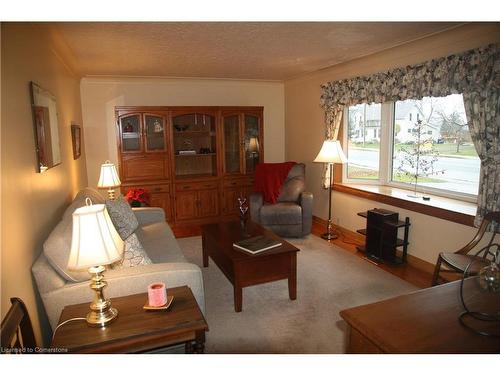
[(331, 152)]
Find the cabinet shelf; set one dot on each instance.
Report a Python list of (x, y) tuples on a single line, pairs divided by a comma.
[(203, 133), (191, 155), (130, 135), (399, 241)]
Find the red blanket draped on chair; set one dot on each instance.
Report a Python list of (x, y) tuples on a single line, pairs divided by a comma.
[(269, 178)]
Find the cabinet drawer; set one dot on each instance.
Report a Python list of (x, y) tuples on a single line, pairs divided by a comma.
[(239, 182), (157, 188), (151, 188), (186, 186)]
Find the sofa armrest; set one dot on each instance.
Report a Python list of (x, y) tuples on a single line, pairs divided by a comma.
[(306, 202), (256, 202), (148, 215), (125, 282)]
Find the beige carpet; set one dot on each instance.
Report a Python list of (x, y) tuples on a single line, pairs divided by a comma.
[(329, 280)]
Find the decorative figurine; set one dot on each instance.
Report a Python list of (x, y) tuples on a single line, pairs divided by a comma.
[(243, 207)]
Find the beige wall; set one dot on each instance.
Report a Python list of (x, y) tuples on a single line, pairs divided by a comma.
[(305, 126), (32, 203), (101, 95)]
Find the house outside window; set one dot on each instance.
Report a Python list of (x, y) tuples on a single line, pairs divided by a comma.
[(452, 165)]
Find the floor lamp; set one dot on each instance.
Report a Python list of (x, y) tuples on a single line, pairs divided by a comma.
[(331, 153)]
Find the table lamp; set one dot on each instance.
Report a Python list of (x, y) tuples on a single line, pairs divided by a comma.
[(330, 153), (254, 148), (95, 243), (109, 179)]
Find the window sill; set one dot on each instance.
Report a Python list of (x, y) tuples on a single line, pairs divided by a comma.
[(443, 208)]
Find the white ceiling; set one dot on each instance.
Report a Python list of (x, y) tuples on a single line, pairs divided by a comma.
[(247, 50)]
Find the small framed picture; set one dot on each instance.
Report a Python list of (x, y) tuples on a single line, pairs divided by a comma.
[(76, 138)]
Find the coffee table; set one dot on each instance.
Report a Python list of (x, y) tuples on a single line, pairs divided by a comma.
[(243, 269)]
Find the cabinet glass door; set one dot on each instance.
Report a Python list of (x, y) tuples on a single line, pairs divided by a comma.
[(231, 144), (252, 142), (130, 132), (195, 146), (155, 133)]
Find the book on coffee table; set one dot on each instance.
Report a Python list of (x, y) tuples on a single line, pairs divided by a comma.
[(257, 244)]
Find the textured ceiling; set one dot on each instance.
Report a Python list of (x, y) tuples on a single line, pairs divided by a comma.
[(250, 50)]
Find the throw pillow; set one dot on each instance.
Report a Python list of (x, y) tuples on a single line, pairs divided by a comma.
[(122, 216), (133, 254)]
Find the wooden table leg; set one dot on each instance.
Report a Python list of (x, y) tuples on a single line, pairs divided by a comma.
[(204, 251), (199, 346), (238, 297), (292, 279)]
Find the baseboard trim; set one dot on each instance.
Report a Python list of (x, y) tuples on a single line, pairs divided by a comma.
[(359, 239)]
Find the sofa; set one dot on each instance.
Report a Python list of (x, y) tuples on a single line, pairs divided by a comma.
[(291, 216), (59, 288)]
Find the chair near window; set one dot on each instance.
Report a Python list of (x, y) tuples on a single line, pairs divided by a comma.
[(458, 261), (17, 331)]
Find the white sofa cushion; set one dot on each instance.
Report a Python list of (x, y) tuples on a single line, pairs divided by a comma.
[(160, 243), (57, 249)]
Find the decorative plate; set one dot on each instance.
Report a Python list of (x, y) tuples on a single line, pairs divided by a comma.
[(164, 307)]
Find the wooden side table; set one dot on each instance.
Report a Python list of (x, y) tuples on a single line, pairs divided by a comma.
[(136, 330)]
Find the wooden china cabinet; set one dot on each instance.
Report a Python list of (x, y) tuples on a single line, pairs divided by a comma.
[(143, 154), (194, 161)]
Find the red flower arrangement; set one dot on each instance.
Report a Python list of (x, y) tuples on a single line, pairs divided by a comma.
[(137, 197)]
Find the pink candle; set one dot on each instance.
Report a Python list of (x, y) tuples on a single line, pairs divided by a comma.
[(157, 294)]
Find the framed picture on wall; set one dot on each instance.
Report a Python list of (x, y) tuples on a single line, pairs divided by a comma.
[(76, 138)]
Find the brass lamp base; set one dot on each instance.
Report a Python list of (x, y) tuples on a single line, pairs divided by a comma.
[(101, 313), (111, 194)]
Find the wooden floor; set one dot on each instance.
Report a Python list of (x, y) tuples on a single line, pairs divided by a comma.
[(406, 272)]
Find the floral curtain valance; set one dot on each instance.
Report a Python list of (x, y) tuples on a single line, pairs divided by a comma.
[(474, 73), (475, 70)]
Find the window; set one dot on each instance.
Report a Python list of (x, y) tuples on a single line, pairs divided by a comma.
[(436, 146), (364, 145)]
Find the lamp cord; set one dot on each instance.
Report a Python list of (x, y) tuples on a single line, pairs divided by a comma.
[(63, 323)]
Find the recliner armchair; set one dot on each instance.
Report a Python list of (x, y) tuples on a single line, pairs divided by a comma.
[(291, 216)]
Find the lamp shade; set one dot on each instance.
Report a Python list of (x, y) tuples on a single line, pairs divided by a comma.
[(253, 146), (109, 177), (331, 152), (95, 241)]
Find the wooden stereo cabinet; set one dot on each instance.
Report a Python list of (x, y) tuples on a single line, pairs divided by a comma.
[(382, 236), (194, 161)]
